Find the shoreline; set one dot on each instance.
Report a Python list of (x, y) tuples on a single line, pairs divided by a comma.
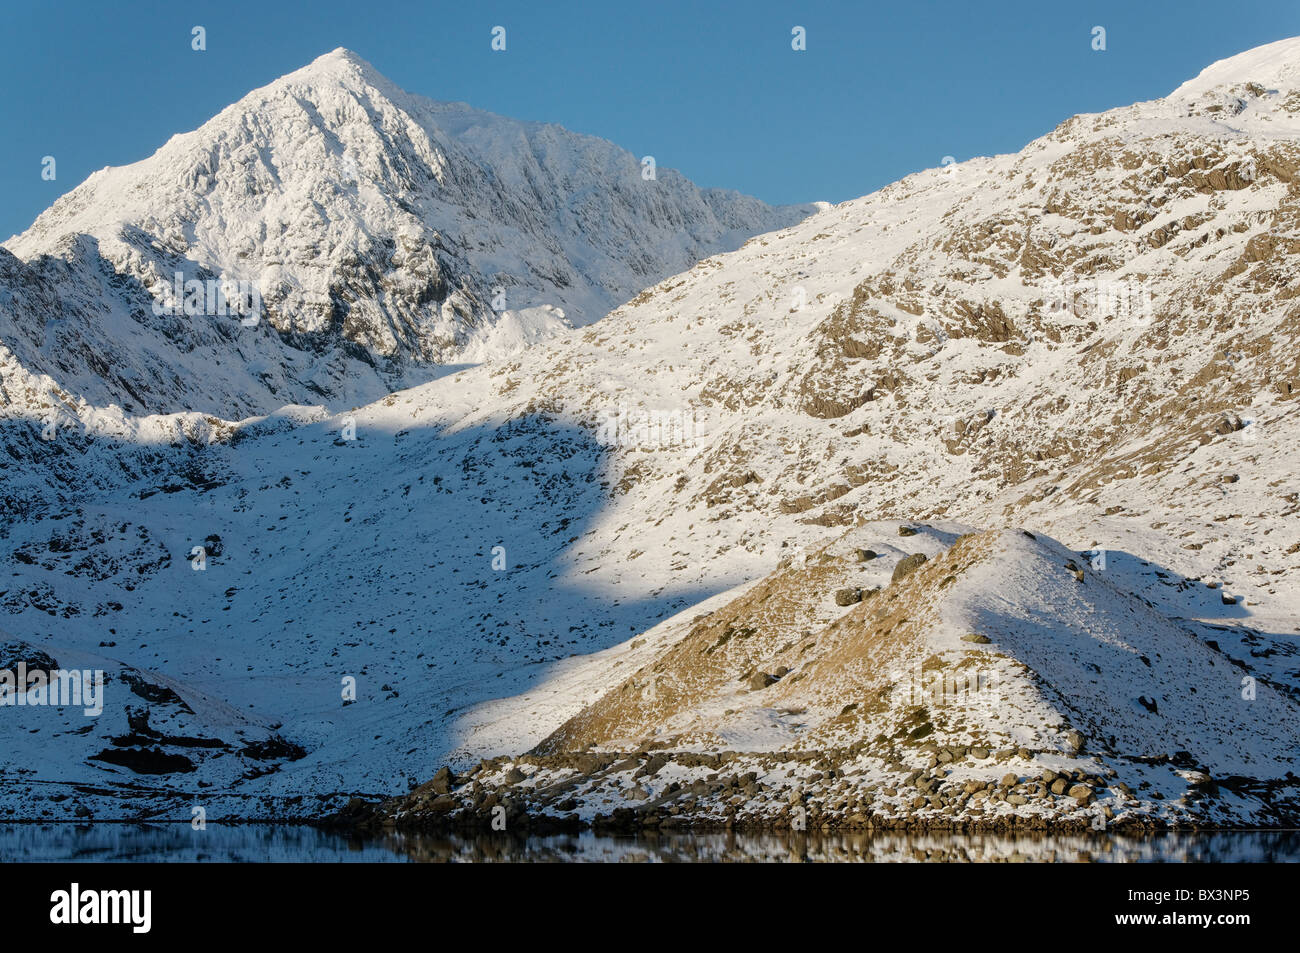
[(971, 790)]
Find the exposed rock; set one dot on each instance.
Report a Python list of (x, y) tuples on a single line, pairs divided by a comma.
[(908, 565), (442, 781), (847, 597)]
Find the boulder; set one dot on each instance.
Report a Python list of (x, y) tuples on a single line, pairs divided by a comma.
[(442, 781), (847, 597), (908, 565)]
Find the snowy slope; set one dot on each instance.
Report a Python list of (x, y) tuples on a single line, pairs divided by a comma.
[(386, 233), (897, 357), (1274, 66), (1003, 677)]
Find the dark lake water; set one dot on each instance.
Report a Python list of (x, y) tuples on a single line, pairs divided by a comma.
[(267, 842)]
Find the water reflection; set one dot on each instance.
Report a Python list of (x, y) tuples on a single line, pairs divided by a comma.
[(268, 842)]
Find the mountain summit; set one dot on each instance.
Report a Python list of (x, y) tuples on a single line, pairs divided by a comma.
[(383, 232), (1274, 67)]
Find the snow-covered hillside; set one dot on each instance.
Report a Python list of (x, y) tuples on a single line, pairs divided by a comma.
[(914, 675), (1094, 340), (385, 233)]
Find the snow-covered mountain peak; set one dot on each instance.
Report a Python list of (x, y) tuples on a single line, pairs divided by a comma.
[(385, 233), (1274, 66), (340, 62), (340, 69)]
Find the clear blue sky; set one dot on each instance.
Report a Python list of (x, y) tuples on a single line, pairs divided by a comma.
[(712, 89)]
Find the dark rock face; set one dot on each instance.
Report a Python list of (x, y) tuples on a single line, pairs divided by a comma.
[(13, 653), (274, 749), (151, 692), (146, 760)]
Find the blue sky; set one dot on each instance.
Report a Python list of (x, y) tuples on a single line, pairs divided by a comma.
[(712, 89)]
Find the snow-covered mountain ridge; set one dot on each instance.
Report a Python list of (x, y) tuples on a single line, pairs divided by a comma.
[(386, 234)]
